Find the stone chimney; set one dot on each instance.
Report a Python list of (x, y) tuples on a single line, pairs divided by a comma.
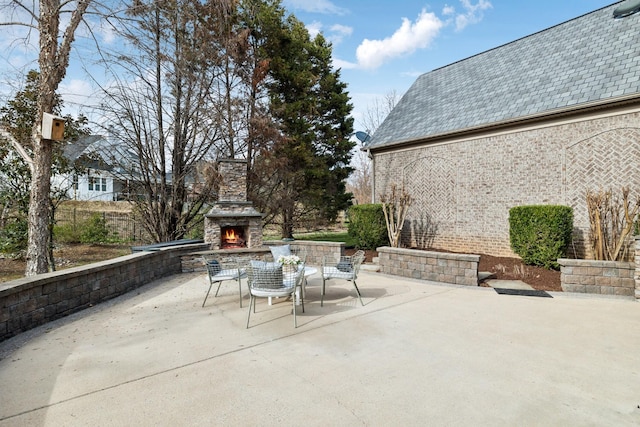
[(233, 212)]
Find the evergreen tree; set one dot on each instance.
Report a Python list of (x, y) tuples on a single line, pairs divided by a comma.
[(309, 159)]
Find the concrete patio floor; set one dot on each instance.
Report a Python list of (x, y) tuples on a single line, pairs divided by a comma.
[(418, 353)]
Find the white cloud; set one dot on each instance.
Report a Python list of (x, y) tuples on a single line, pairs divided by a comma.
[(448, 10), (473, 13), (107, 32), (316, 6), (338, 32), (345, 65), (314, 28), (407, 39), (77, 95), (334, 35)]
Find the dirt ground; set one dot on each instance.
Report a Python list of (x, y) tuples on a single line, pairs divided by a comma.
[(65, 256), (73, 255), (513, 269)]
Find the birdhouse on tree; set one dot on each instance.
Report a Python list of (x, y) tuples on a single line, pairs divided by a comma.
[(52, 127)]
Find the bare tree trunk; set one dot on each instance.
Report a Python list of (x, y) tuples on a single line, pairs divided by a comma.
[(611, 223), (53, 61), (38, 242), (395, 207)]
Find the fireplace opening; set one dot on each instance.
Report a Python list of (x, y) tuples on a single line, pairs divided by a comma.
[(232, 237)]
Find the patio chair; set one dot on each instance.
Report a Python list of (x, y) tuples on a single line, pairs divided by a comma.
[(301, 253), (220, 271), (285, 250), (346, 268), (267, 280)]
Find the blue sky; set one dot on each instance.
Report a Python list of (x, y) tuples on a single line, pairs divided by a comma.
[(380, 45), (383, 45)]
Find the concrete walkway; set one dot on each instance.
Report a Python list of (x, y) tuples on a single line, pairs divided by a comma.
[(417, 353)]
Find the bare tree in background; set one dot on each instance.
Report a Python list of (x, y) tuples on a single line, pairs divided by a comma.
[(53, 59), (164, 107), (360, 181), (376, 113)]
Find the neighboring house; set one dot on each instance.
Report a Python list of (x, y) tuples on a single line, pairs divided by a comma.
[(107, 169), (540, 120), (111, 172)]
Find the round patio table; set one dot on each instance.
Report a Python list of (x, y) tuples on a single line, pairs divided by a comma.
[(308, 271)]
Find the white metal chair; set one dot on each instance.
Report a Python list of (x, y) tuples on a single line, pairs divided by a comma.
[(267, 279), (346, 268), (220, 271)]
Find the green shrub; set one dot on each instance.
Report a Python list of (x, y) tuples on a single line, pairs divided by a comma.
[(66, 233), (195, 228), (13, 237), (540, 234), (95, 230), (326, 237), (367, 226)]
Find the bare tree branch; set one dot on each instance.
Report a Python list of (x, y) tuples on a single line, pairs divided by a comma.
[(29, 10), (19, 148)]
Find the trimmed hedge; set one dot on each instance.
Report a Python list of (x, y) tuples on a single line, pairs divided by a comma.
[(540, 234), (367, 226)]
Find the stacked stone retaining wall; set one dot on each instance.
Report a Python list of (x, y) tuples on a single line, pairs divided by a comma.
[(315, 253), (637, 274), (598, 277), (32, 301), (457, 269)]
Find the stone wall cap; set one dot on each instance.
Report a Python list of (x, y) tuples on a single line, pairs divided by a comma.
[(303, 243), (432, 254), (252, 213), (230, 160), (595, 263)]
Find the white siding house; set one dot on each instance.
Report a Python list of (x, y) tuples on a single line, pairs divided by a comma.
[(105, 177)]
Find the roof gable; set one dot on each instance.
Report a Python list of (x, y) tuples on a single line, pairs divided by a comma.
[(592, 58), (105, 153)]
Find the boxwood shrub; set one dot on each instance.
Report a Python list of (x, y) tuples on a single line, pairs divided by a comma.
[(367, 226), (540, 234)]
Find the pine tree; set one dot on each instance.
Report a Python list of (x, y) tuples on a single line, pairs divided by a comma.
[(309, 159)]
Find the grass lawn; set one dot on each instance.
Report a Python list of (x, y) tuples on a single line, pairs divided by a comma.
[(327, 237)]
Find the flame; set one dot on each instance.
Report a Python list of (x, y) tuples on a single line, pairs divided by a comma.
[(230, 235)]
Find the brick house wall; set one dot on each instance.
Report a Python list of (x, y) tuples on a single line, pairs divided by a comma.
[(463, 188)]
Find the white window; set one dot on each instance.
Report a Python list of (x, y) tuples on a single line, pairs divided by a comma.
[(97, 184)]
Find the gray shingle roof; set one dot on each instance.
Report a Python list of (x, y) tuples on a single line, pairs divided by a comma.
[(592, 58)]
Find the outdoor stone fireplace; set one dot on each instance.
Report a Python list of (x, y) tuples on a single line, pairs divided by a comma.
[(233, 222)]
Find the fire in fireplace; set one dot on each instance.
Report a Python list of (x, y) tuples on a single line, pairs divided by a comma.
[(232, 237), (233, 223)]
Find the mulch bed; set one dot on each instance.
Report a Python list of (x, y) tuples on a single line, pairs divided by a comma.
[(505, 268)]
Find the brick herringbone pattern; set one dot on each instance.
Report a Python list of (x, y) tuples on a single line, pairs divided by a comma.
[(436, 194), (463, 191), (607, 161)]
